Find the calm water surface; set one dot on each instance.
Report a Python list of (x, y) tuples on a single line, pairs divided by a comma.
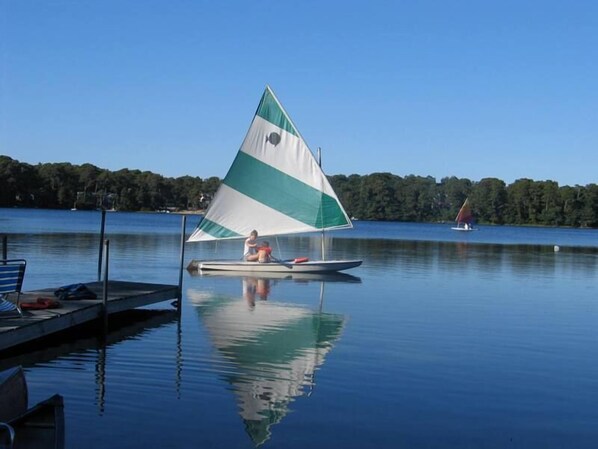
[(440, 340)]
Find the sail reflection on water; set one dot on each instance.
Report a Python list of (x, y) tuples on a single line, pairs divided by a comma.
[(274, 349)]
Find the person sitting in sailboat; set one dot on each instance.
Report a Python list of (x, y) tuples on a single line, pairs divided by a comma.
[(250, 248), (264, 253)]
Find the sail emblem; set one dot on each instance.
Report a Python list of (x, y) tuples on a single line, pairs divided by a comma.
[(273, 138)]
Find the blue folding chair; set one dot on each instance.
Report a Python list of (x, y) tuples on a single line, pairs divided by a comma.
[(12, 272)]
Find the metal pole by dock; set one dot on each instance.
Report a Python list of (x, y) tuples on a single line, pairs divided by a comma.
[(182, 262), (102, 227), (105, 289)]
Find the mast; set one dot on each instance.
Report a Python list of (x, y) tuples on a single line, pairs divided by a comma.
[(321, 209)]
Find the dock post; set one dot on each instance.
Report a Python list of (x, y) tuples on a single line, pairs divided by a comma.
[(102, 227), (105, 291), (182, 261), (4, 246)]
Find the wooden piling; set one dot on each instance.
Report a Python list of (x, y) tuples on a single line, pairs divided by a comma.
[(105, 284), (102, 228), (182, 262)]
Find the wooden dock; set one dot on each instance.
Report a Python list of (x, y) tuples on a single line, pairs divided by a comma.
[(37, 324)]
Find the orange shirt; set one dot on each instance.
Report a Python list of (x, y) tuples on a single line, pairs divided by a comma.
[(264, 254)]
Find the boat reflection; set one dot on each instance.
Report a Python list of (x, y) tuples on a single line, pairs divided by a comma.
[(298, 277), (271, 349)]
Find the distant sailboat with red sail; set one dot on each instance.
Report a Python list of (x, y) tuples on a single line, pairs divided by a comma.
[(464, 218)]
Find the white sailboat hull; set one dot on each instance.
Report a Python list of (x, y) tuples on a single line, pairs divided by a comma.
[(464, 229), (316, 266)]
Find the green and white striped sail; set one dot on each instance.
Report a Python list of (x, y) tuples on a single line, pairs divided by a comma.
[(274, 185)]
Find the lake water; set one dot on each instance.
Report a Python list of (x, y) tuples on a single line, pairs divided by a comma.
[(439, 340)]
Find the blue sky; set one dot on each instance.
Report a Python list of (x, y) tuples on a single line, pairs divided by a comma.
[(473, 89)]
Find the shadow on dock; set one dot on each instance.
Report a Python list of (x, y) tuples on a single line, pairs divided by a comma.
[(131, 324), (123, 326)]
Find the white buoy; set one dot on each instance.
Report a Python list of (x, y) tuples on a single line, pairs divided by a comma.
[(556, 248)]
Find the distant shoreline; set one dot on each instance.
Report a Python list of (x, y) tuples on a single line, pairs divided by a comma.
[(203, 211), (180, 212)]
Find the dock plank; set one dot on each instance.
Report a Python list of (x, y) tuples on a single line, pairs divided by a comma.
[(122, 295)]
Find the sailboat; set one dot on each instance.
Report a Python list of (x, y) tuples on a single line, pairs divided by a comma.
[(275, 185), (464, 218)]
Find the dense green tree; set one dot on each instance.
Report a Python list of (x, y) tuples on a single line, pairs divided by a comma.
[(573, 199), (60, 184), (378, 190), (488, 197), (210, 185), (187, 191), (590, 209), (417, 196), (519, 201), (552, 205), (19, 183)]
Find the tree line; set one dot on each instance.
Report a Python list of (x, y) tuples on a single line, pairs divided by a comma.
[(66, 186), (384, 196), (377, 196)]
